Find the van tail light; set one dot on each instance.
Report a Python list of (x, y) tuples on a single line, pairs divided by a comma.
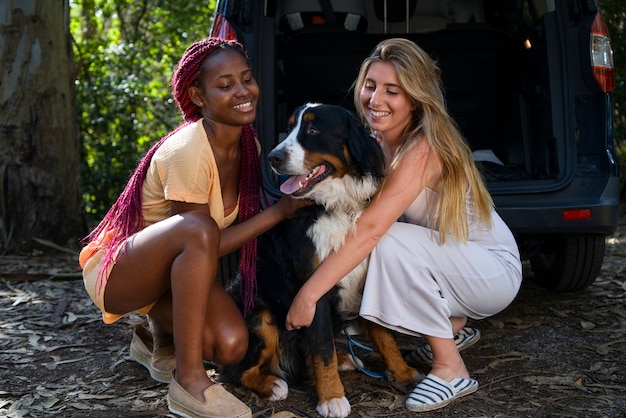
[(576, 214), (222, 29), (602, 55)]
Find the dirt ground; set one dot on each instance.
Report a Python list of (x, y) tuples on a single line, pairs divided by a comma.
[(547, 355)]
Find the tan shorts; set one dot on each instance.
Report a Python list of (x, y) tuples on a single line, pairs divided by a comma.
[(96, 285)]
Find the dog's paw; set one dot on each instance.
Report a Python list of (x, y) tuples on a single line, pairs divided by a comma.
[(405, 376), (279, 391), (398, 371), (334, 408)]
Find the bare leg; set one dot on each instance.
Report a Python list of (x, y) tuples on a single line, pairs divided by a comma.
[(174, 262), (447, 362), (160, 320), (225, 337), (458, 322)]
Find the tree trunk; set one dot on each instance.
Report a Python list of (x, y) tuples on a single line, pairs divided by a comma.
[(39, 149)]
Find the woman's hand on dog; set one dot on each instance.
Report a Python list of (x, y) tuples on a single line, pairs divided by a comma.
[(290, 206), (301, 312)]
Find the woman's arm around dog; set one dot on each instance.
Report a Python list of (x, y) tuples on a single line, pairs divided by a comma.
[(400, 188)]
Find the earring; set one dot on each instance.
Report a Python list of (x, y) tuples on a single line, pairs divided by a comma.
[(201, 104)]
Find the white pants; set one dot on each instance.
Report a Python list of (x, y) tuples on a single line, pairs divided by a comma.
[(414, 285)]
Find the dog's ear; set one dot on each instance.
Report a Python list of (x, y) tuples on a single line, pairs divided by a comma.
[(366, 152)]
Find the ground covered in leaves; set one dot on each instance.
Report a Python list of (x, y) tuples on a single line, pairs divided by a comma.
[(547, 355)]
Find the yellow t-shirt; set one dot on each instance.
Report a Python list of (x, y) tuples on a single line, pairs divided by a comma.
[(182, 169)]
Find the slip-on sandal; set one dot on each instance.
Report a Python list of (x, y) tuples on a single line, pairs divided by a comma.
[(218, 403), (434, 393), (463, 339), (161, 363)]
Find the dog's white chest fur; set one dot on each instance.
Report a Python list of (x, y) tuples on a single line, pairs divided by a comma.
[(328, 234)]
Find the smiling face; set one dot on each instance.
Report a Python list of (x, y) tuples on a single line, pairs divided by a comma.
[(386, 105), (226, 90)]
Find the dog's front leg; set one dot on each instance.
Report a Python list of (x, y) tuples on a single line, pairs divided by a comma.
[(332, 401), (322, 356)]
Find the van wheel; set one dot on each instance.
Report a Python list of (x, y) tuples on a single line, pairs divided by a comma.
[(568, 262)]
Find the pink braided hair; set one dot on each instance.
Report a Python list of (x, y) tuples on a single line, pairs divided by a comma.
[(125, 217)]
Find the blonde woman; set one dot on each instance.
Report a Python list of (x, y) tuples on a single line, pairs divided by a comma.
[(439, 253)]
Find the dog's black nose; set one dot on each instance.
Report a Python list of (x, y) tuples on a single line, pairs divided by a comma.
[(277, 157)]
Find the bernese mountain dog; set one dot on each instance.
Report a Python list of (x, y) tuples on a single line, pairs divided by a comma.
[(329, 157)]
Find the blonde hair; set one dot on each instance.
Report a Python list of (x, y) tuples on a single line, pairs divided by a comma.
[(420, 78)]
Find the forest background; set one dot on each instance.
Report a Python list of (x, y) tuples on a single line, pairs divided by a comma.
[(121, 55)]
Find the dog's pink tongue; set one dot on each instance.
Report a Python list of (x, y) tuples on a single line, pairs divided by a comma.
[(292, 184)]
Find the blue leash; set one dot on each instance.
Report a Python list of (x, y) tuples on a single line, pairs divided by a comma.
[(351, 344)]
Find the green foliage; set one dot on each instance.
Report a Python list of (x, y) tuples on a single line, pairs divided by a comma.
[(126, 52)]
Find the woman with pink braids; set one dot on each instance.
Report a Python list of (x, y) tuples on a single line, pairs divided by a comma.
[(156, 251)]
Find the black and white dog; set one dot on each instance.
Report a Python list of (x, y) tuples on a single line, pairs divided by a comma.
[(329, 157)]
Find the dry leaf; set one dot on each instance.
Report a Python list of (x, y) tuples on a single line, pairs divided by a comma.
[(587, 325)]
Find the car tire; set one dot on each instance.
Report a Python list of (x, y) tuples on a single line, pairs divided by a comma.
[(568, 262)]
